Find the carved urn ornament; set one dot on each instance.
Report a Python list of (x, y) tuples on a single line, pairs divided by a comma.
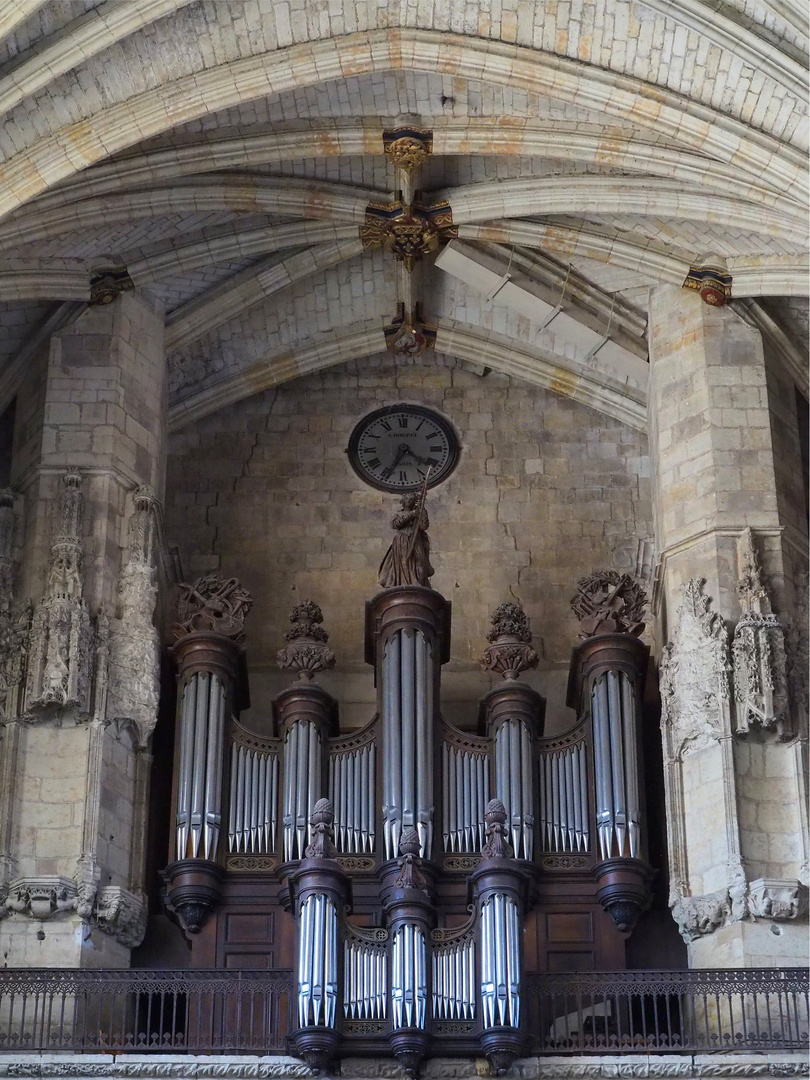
[(306, 651), (510, 650)]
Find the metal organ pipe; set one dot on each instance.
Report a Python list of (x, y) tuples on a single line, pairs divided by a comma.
[(500, 961), (465, 792), (408, 976), (454, 977), (253, 800), (317, 962), (302, 784), (564, 796), (407, 721), (351, 783), (199, 783), (618, 811), (513, 783)]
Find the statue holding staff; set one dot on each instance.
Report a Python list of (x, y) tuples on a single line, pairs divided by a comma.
[(407, 561)]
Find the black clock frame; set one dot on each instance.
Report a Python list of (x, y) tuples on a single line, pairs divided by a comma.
[(440, 421)]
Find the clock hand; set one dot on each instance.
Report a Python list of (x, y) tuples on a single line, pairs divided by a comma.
[(403, 448)]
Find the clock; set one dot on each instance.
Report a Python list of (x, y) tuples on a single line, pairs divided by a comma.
[(393, 448)]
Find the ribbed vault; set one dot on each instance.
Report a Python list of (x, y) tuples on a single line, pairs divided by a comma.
[(222, 158)]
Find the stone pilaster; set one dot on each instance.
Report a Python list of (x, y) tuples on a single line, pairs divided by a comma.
[(87, 470), (732, 744)]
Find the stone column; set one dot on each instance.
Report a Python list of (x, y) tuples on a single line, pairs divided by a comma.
[(87, 473), (732, 739)]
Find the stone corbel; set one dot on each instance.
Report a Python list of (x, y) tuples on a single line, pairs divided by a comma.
[(42, 897), (697, 916), (121, 914), (780, 900)]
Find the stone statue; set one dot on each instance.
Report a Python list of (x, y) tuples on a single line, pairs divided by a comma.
[(407, 561)]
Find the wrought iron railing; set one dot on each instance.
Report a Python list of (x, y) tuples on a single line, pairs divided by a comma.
[(119, 1011), (251, 1012), (668, 1011)]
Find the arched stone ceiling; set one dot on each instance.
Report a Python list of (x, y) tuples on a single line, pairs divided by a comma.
[(223, 156)]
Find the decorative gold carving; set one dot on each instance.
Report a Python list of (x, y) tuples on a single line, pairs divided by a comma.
[(408, 147), (564, 862), (408, 232), (213, 603), (510, 650), (408, 336), (250, 862), (461, 862), (710, 278), (364, 1027), (352, 863), (608, 602)]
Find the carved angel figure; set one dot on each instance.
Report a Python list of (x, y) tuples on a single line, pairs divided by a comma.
[(407, 561)]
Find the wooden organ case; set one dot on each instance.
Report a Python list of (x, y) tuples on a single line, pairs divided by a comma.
[(410, 873)]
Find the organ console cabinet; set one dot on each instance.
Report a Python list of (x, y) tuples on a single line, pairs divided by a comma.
[(410, 872)]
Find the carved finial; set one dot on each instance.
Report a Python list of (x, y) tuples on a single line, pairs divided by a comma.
[(758, 650), (509, 651), (306, 651), (410, 876), (66, 569), (751, 591), (213, 603), (496, 845), (608, 602), (407, 561), (321, 846)]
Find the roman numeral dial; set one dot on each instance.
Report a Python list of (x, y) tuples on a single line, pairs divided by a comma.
[(393, 448)]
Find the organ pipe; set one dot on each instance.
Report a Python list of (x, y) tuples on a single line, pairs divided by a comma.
[(407, 721), (465, 790), (563, 787), (606, 680), (352, 791), (306, 716), (513, 714)]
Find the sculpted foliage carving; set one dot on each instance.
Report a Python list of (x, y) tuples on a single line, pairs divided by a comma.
[(695, 674)]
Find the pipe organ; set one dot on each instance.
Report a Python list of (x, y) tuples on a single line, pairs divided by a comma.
[(337, 828)]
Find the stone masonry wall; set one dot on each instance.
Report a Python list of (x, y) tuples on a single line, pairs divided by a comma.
[(546, 491)]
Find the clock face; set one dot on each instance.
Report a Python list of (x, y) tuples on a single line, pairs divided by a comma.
[(393, 448)]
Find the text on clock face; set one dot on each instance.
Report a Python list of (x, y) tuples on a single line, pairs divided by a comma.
[(398, 449)]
